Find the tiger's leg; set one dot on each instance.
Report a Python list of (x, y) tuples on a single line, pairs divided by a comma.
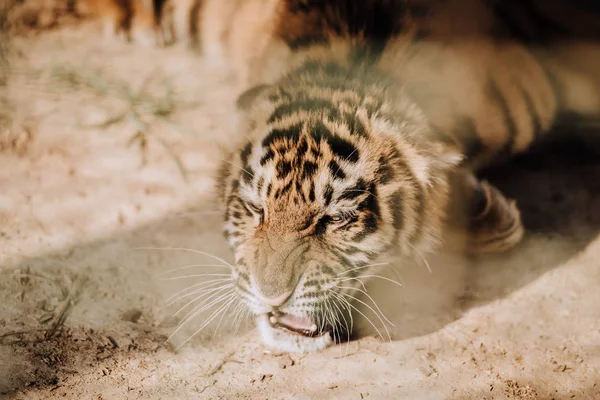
[(184, 20), (113, 14), (487, 220), (144, 24)]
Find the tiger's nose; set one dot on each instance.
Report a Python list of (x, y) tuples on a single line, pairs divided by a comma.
[(278, 300)]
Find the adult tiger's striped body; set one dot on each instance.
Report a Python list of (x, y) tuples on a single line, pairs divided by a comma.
[(360, 120)]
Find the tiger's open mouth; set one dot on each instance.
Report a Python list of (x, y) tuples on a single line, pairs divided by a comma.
[(303, 326)]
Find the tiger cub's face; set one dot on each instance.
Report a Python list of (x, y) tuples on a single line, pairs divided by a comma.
[(312, 201)]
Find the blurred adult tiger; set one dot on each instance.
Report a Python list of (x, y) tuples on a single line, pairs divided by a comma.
[(361, 118)]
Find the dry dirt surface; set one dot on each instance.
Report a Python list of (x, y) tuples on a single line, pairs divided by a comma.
[(111, 150)]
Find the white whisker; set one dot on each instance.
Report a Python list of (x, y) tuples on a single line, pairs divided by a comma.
[(221, 320), (372, 276), (211, 300), (422, 257), (245, 312), (373, 311), (211, 295), (189, 266), (198, 291), (340, 312), (222, 308), (349, 308), (367, 318), (175, 278), (235, 165), (185, 249), (206, 284), (236, 311), (361, 267), (182, 323), (373, 301)]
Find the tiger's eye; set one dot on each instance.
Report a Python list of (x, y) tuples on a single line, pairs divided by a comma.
[(337, 218)]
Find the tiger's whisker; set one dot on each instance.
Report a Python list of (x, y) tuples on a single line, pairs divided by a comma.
[(372, 300), (360, 312), (367, 318), (183, 322), (185, 249), (197, 291), (372, 276), (206, 303), (189, 266), (221, 320), (205, 284), (374, 312), (221, 309), (362, 267), (174, 278), (211, 295), (422, 257), (235, 165)]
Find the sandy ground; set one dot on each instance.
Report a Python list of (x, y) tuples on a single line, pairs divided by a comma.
[(83, 314)]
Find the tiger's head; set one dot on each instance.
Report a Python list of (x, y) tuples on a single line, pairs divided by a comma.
[(333, 176)]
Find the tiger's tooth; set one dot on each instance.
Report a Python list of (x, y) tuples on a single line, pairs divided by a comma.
[(313, 328), (273, 319)]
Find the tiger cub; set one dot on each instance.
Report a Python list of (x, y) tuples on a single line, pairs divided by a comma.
[(364, 123)]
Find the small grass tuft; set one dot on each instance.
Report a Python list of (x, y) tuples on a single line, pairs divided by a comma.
[(153, 102)]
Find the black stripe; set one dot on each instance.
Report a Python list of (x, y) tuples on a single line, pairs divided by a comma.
[(269, 189), (302, 147), (290, 133), (312, 282), (321, 225), (416, 235), (328, 194), (371, 203), (396, 208), (247, 174), (245, 290), (327, 270), (343, 149), (309, 169), (241, 274), (285, 189), (316, 105), (352, 250), (268, 156), (339, 146), (355, 191), (419, 196), (307, 224), (336, 170), (311, 192), (245, 153), (384, 171), (357, 127), (370, 225), (283, 168)]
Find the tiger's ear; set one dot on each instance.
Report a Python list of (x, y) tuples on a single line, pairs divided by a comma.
[(247, 98)]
